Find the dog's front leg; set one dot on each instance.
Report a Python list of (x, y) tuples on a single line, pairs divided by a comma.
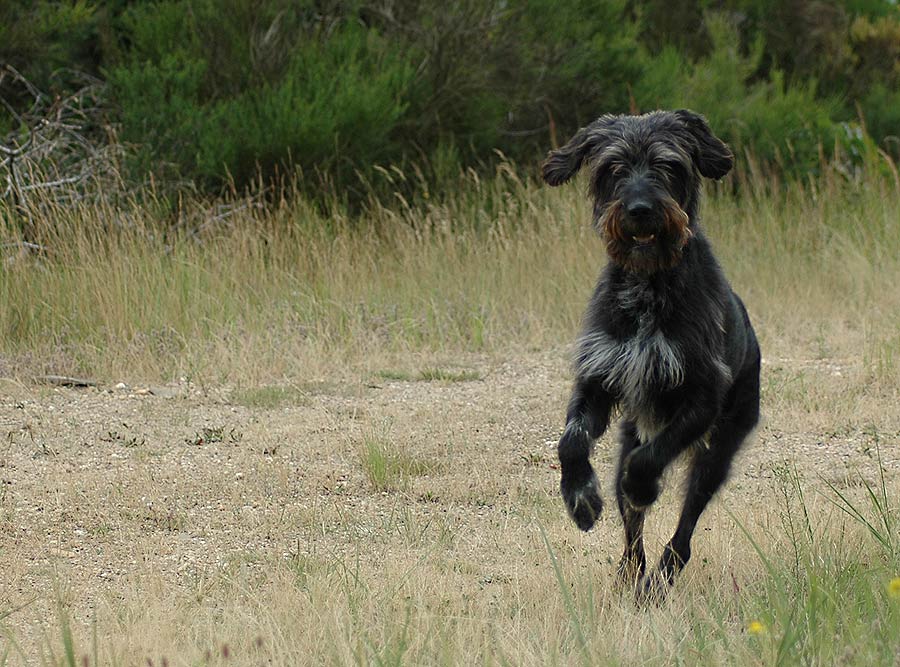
[(645, 465), (586, 420)]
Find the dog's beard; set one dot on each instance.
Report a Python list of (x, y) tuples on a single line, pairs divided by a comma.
[(667, 248)]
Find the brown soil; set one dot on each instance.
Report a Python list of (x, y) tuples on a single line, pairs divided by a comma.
[(103, 489)]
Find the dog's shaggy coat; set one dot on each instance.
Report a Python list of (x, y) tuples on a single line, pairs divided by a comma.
[(665, 340)]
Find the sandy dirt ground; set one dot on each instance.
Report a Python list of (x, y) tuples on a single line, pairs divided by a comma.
[(106, 488)]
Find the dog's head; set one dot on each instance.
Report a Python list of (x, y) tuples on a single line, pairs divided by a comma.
[(645, 180)]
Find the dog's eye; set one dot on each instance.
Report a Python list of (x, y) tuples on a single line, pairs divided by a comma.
[(609, 171), (672, 169)]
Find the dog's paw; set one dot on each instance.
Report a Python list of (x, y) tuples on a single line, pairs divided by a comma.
[(640, 483), (640, 493), (581, 493)]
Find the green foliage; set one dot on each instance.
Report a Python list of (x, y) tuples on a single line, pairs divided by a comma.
[(331, 104), (157, 103), (42, 36), (876, 47), (673, 23), (337, 105), (362, 85), (223, 91), (776, 122), (38, 38), (881, 107), (579, 66)]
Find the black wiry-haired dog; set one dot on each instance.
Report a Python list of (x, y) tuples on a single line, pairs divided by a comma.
[(665, 338)]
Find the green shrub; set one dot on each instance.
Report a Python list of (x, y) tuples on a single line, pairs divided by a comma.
[(38, 38), (335, 108), (331, 105), (159, 109), (881, 111), (219, 91), (573, 61), (876, 78), (776, 122), (430, 80)]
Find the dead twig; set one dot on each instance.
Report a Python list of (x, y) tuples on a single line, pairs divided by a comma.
[(64, 381), (60, 151)]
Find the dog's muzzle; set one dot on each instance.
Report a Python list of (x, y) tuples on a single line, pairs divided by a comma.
[(645, 237), (642, 223)]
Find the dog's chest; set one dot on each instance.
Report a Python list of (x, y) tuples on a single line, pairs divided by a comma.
[(636, 367)]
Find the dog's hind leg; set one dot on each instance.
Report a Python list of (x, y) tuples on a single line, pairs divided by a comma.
[(586, 420), (707, 473), (634, 561)]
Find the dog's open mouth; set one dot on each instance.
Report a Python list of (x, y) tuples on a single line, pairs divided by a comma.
[(644, 240)]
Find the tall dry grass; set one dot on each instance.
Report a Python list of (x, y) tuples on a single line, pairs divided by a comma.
[(503, 263)]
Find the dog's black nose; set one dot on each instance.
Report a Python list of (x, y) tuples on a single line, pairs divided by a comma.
[(639, 209)]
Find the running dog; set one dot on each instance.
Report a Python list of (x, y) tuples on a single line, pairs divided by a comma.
[(666, 342)]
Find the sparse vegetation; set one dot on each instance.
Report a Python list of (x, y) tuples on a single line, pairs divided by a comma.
[(268, 397), (389, 465), (430, 375), (125, 438), (447, 375), (804, 581), (213, 434)]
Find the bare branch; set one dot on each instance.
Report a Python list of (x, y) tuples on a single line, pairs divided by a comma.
[(11, 153), (61, 150), (64, 381)]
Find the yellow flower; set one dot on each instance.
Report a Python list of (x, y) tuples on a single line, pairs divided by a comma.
[(894, 587), (756, 628)]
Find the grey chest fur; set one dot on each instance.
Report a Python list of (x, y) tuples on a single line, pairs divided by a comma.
[(632, 368), (636, 368)]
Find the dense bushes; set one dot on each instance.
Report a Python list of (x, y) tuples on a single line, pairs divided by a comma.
[(778, 123), (224, 90), (326, 101)]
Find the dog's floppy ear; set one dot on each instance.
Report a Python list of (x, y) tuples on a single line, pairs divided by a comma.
[(713, 157), (563, 163)]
